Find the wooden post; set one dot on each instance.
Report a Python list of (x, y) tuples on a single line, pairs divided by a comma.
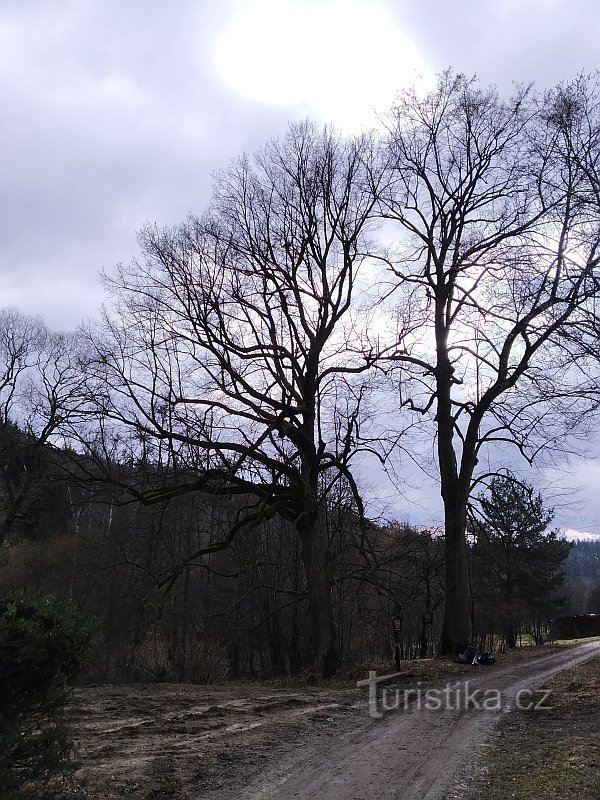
[(397, 641)]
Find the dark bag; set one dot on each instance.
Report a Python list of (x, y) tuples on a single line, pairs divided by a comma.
[(468, 656)]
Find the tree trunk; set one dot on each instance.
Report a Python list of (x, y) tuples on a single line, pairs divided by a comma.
[(510, 628), (324, 653), (456, 631), (423, 638), (425, 621), (182, 666)]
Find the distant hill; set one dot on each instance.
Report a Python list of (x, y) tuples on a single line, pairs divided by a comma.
[(583, 573)]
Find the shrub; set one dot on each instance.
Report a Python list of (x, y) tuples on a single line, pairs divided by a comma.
[(204, 661), (43, 643), (153, 657)]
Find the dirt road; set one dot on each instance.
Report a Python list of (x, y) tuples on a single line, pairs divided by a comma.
[(284, 740), (417, 751)]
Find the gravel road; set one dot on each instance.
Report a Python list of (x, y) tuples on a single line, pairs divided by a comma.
[(426, 749)]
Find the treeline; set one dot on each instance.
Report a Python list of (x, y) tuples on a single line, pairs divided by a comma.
[(583, 577), (163, 614), (166, 615), (584, 560)]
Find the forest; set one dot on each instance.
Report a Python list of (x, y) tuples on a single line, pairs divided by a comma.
[(162, 614)]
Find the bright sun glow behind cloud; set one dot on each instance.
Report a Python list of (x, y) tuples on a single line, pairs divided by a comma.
[(340, 59)]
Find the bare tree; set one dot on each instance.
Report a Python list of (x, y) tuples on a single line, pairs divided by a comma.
[(41, 382), (234, 353), (497, 260)]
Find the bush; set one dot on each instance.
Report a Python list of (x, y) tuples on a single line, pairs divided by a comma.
[(153, 657), (204, 661), (43, 643)]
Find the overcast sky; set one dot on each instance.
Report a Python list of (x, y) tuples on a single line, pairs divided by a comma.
[(115, 112)]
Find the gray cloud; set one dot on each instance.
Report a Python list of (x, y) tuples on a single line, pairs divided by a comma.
[(502, 41), (114, 114), (112, 117)]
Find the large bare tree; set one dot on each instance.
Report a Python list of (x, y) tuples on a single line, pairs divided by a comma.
[(235, 350), (496, 208)]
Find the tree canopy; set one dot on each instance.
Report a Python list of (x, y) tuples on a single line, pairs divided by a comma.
[(430, 292)]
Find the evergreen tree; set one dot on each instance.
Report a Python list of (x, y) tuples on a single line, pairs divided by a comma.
[(594, 601), (521, 560)]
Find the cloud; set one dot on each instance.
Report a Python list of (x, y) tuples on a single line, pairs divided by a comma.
[(112, 117), (502, 41), (582, 536), (572, 488), (340, 59), (115, 114)]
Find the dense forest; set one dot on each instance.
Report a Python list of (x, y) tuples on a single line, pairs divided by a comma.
[(583, 577), (162, 613)]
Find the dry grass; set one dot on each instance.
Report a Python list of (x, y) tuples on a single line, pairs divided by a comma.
[(435, 669), (553, 753)]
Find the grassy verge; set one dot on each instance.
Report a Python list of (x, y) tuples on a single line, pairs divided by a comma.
[(435, 669), (552, 753)]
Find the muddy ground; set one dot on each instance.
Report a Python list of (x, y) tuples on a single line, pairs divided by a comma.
[(251, 740), (164, 741)]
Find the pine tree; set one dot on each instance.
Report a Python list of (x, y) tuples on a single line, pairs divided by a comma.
[(521, 559)]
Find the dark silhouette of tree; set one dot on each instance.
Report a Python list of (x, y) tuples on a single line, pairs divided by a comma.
[(522, 563), (41, 396), (593, 605), (495, 271), (233, 358)]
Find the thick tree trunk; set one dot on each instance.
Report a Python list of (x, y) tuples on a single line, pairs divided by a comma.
[(456, 631), (11, 515), (425, 621), (314, 557)]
